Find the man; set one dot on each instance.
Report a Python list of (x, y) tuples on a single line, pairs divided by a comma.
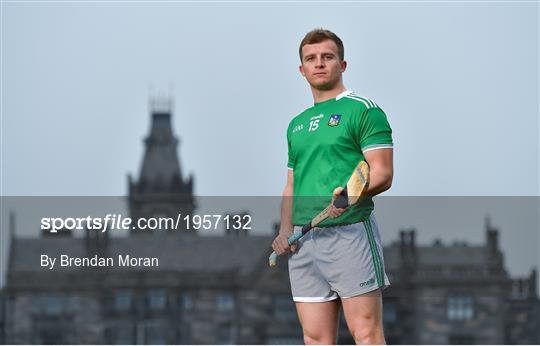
[(340, 262)]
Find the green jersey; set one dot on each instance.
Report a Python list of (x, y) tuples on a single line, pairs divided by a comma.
[(325, 143)]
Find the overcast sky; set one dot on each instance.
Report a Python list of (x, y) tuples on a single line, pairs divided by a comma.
[(458, 81)]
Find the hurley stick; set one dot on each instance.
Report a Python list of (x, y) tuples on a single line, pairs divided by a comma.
[(356, 186)]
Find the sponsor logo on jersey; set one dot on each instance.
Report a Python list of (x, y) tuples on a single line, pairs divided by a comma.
[(367, 283), (298, 128), (334, 120), (317, 117)]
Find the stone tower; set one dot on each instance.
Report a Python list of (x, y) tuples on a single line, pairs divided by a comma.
[(161, 190)]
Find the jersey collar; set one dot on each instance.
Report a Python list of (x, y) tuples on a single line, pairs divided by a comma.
[(343, 94)]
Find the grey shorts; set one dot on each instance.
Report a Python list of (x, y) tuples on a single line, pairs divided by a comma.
[(337, 262)]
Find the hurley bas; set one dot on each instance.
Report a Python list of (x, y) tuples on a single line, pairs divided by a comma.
[(96, 261)]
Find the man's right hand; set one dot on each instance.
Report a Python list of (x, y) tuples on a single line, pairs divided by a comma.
[(281, 243)]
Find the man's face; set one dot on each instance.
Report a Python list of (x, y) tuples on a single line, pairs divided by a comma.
[(321, 65)]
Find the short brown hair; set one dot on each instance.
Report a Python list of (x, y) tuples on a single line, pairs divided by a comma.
[(319, 35)]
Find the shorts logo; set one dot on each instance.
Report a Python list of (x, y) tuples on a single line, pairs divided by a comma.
[(334, 120), (367, 283)]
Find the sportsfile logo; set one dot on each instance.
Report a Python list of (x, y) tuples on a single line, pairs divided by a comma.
[(367, 283), (118, 222)]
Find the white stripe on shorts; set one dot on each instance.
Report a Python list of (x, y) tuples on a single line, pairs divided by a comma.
[(315, 299)]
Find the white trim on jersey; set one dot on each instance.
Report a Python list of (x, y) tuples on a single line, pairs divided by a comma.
[(369, 103), (360, 100), (292, 169), (358, 97), (343, 94), (365, 98), (377, 146)]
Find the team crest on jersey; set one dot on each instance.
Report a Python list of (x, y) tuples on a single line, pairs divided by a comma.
[(334, 120)]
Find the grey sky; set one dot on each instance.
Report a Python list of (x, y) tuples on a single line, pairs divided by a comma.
[(458, 81)]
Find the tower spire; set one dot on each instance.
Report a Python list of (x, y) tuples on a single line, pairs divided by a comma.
[(160, 165), (161, 189)]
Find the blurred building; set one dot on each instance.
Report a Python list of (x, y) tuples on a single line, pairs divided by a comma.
[(522, 315), (457, 294), (219, 289)]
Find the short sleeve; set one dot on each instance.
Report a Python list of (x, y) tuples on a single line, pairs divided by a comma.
[(291, 157), (375, 131)]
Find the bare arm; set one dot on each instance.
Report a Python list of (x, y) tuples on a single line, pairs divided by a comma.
[(286, 205), (280, 243), (381, 170), (381, 173)]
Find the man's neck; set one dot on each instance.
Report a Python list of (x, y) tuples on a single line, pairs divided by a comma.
[(324, 95)]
